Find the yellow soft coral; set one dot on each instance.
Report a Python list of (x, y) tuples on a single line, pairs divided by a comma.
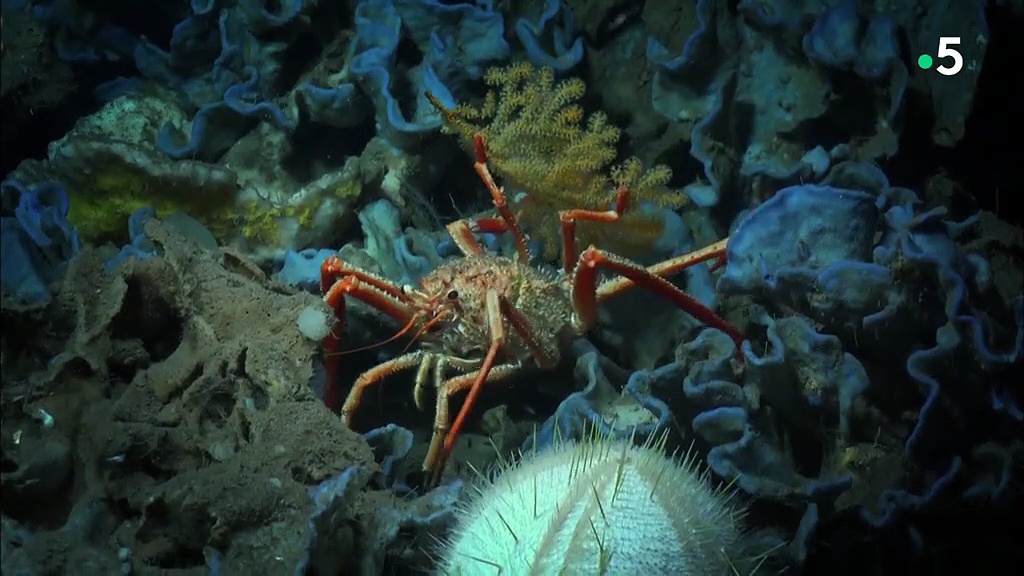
[(540, 141)]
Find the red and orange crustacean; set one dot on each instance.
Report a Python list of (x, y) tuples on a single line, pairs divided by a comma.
[(483, 317)]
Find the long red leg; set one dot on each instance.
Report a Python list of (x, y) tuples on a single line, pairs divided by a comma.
[(489, 226), (507, 222), (616, 286), (374, 376), (545, 359), (584, 290), (391, 302), (499, 310), (569, 218), (498, 197), (335, 268), (437, 455), (497, 331), (462, 235)]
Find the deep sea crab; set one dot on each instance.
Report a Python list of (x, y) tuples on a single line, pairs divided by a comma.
[(483, 317)]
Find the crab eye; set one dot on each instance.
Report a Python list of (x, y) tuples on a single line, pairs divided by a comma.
[(407, 289), (453, 294)]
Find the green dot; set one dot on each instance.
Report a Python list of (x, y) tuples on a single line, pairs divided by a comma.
[(924, 61)]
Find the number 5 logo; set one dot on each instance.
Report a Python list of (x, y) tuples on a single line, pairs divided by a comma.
[(946, 51)]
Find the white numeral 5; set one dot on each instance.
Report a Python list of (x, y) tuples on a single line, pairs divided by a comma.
[(945, 50)]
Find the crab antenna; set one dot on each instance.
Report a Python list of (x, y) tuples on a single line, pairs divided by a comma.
[(426, 326), (405, 330)]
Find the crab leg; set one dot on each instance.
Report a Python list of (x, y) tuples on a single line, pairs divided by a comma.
[(439, 452), (497, 331), (462, 235), (569, 218), (620, 284), (374, 376), (335, 268), (545, 359), (507, 221), (498, 197), (385, 297), (489, 226), (584, 290), (499, 310)]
